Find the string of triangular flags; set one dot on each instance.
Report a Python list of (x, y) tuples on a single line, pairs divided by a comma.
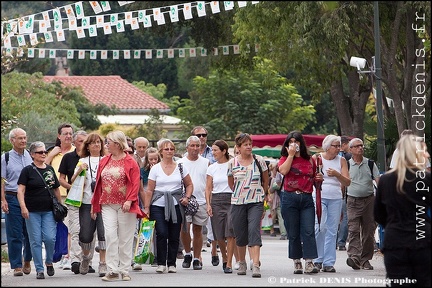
[(127, 54), (23, 28)]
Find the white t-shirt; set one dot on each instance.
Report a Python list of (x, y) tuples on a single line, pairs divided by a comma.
[(93, 164), (166, 182), (393, 160), (218, 172), (198, 172)]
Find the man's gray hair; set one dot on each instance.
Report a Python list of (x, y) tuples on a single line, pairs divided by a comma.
[(13, 132), (351, 143), (79, 132), (192, 138)]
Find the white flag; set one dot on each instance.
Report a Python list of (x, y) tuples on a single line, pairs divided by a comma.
[(182, 53), (30, 24), (159, 53), (201, 8), (52, 53), (137, 54), (128, 18), (69, 12), (100, 22), (41, 53), (254, 2), (93, 54), (148, 54), (48, 37), (81, 54), (72, 24), (147, 21), (79, 10), (7, 41), (241, 4), (60, 35), (70, 54), (33, 39), (92, 31), (170, 53), (80, 33), (215, 51), (215, 7), (42, 26), (203, 52), (85, 22), (141, 15), (104, 54), (114, 19), (107, 29), (126, 54), (187, 11), (96, 7), (116, 54), (120, 26), (58, 25), (229, 5), (20, 52), (225, 50), (158, 16), (174, 13), (134, 24), (105, 6), (21, 40), (8, 51), (236, 49), (192, 52), (46, 18), (30, 52)]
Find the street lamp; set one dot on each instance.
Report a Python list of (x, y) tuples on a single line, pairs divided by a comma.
[(360, 64)]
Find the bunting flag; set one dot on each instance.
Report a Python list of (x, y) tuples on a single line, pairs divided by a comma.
[(137, 53), (22, 30)]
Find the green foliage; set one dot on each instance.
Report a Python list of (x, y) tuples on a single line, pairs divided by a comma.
[(257, 101)]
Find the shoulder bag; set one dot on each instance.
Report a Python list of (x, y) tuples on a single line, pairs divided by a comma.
[(192, 207), (59, 210)]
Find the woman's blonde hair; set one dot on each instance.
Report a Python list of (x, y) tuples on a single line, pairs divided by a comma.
[(118, 137), (410, 157)]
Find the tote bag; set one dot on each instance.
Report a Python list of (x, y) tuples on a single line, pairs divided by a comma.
[(75, 194), (61, 243), (144, 253)]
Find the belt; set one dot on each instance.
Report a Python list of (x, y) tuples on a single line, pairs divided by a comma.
[(296, 192), (361, 197), (11, 193)]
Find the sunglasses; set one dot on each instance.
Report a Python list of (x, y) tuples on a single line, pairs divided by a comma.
[(357, 146), (168, 149), (130, 152), (41, 152), (201, 135)]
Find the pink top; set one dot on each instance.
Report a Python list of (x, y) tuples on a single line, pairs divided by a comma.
[(301, 176)]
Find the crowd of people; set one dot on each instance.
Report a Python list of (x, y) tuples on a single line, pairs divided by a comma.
[(323, 202)]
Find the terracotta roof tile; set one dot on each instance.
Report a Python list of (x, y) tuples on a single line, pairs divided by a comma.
[(112, 90)]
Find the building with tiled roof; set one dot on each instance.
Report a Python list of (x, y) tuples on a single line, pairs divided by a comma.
[(134, 104)]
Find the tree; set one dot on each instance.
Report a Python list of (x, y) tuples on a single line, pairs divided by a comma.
[(316, 41), (257, 101)]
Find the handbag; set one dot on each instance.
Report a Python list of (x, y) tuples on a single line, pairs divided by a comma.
[(192, 207), (59, 210), (144, 249), (76, 191), (61, 243)]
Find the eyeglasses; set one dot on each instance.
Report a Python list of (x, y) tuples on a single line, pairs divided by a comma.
[(336, 146), (201, 135), (41, 152), (95, 143), (66, 133), (168, 149), (357, 146)]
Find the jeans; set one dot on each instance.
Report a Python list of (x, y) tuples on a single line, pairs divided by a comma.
[(167, 235), (41, 227), (16, 234), (343, 226), (326, 232), (298, 212), (281, 222)]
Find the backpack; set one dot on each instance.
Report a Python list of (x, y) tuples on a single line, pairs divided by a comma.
[(370, 164), (7, 157)]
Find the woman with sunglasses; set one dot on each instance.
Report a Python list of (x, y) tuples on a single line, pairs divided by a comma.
[(163, 203), (335, 176), (37, 206)]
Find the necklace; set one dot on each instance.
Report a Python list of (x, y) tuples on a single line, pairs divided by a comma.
[(95, 167)]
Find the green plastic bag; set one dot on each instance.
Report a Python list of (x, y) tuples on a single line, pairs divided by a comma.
[(144, 252)]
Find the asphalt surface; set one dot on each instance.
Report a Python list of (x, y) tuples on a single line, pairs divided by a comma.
[(276, 271)]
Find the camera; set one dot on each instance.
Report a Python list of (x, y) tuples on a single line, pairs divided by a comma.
[(92, 185)]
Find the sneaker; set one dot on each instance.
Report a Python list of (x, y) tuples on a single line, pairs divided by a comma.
[(18, 272), (242, 268), (91, 270), (126, 277), (367, 266), (67, 264), (111, 277), (172, 269), (187, 261), (328, 269), (60, 265), (40, 275), (251, 264), (318, 265), (228, 270), (273, 234), (215, 260), (353, 263), (97, 249), (102, 270), (208, 244), (75, 267), (84, 267), (26, 267), (197, 264), (50, 270), (256, 273), (298, 268), (283, 238), (310, 267), (136, 267), (180, 255), (237, 265), (161, 269), (342, 248)]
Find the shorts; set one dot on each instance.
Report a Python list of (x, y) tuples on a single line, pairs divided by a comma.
[(200, 218)]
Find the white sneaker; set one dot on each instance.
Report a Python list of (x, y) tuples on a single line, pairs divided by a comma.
[(161, 269), (66, 264), (136, 267), (60, 265), (237, 265), (172, 269)]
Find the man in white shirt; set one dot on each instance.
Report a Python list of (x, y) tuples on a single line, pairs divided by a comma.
[(197, 167)]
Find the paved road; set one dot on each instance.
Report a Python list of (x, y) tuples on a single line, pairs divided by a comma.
[(276, 270)]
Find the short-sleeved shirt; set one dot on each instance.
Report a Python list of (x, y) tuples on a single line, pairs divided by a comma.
[(66, 168), (361, 178), (247, 181), (11, 171), (218, 172), (301, 176), (114, 182), (197, 171), (36, 197)]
